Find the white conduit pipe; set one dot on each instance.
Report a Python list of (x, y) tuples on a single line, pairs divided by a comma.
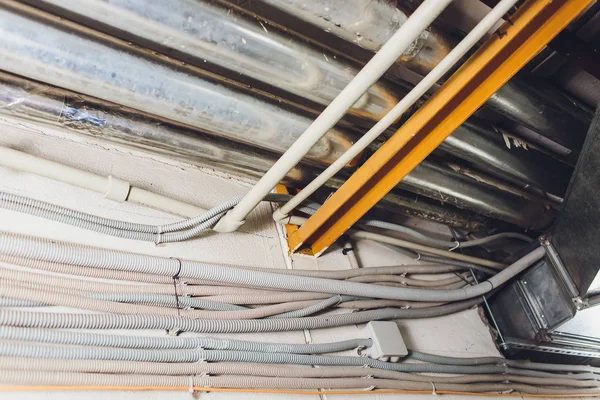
[(375, 68), (487, 23), (110, 187), (62, 252)]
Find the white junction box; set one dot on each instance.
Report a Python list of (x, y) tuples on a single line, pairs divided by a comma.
[(387, 341)]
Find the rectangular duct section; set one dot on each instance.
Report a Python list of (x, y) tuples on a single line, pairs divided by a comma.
[(548, 313)]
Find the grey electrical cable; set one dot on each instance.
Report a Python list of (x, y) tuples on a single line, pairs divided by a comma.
[(31, 319), (243, 382), (4, 302), (432, 358), (29, 204), (76, 270), (456, 263), (15, 349), (163, 300), (46, 250), (181, 288), (224, 368), (156, 343), (352, 273), (267, 298), (315, 308), (443, 243), (374, 304), (410, 281), (57, 298), (192, 227)]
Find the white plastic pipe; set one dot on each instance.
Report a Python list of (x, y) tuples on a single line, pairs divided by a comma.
[(375, 68), (110, 187), (488, 23)]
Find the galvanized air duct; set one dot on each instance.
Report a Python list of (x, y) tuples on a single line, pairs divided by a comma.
[(38, 102), (535, 105), (110, 71), (369, 23), (82, 114), (507, 158), (436, 182), (207, 31)]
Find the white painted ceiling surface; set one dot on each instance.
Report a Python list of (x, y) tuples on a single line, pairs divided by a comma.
[(259, 243)]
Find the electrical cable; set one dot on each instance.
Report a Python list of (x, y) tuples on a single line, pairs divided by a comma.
[(88, 339), (225, 368), (34, 319), (40, 378), (46, 250)]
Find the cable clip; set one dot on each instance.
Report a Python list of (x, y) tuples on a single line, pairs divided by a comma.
[(368, 389), (174, 331), (175, 279), (456, 246), (191, 388), (418, 257), (433, 392)]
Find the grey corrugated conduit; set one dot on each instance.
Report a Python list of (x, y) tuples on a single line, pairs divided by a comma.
[(374, 304), (443, 243), (15, 349), (19, 303), (315, 308), (295, 300), (432, 358), (32, 319), (156, 343), (422, 269), (242, 382), (29, 204), (224, 368), (267, 298), (56, 298), (192, 227), (410, 281), (115, 275), (166, 289), (46, 250)]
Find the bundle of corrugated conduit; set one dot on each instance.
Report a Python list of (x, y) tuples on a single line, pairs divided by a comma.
[(189, 297)]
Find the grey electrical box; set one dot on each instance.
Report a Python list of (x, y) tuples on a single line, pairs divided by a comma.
[(387, 340)]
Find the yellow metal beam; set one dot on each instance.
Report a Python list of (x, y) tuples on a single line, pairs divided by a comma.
[(502, 56)]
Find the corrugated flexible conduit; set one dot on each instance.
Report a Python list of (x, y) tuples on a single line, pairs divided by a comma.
[(201, 223), (34, 319), (57, 298), (46, 250), (192, 382), (225, 368), (10, 349), (181, 288), (432, 358), (54, 336)]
